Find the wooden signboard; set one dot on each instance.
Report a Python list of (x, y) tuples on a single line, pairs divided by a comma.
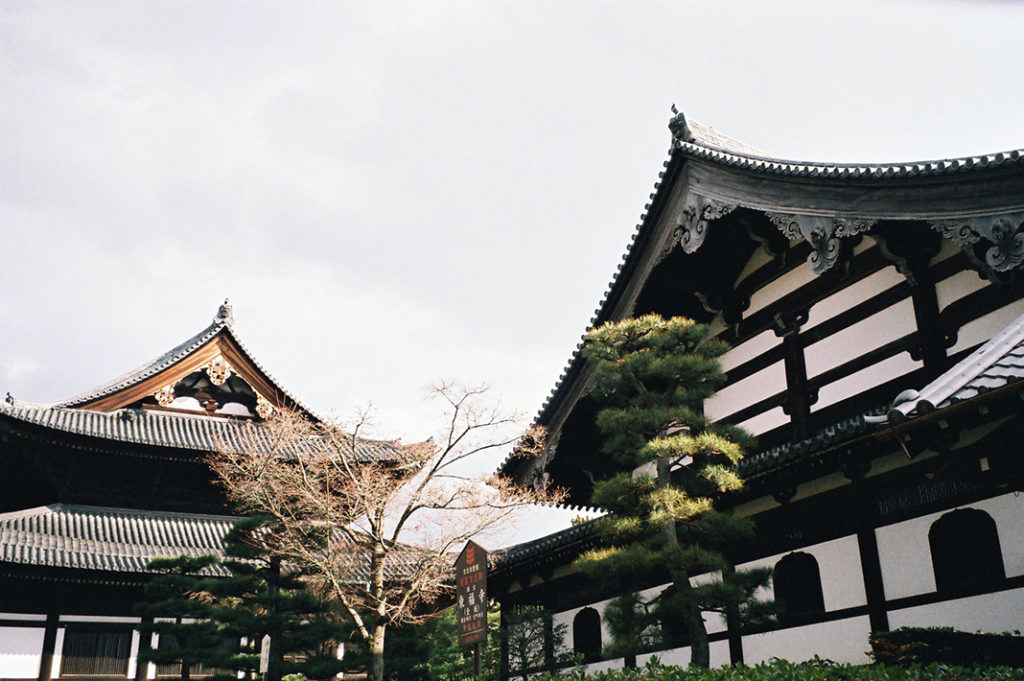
[(471, 595)]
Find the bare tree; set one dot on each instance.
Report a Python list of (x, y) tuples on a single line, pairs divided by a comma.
[(379, 532)]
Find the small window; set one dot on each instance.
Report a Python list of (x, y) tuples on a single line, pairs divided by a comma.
[(586, 634), (95, 652), (798, 593), (965, 550)]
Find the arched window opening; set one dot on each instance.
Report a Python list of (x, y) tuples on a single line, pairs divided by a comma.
[(965, 550), (798, 588), (586, 634)]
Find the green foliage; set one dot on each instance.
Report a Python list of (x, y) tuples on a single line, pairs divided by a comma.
[(814, 670), (210, 615), (430, 651), (916, 645), (179, 598), (651, 377)]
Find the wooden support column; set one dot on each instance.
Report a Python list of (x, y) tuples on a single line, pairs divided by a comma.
[(549, 640), (145, 643), (867, 543), (49, 644), (798, 397), (503, 629), (732, 622)]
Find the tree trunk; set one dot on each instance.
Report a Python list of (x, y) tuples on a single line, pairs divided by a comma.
[(693, 620), (377, 653)]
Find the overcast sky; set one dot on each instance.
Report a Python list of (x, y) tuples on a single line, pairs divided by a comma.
[(395, 193)]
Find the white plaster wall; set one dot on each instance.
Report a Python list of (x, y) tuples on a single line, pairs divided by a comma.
[(842, 583), (22, 616), (855, 340), (992, 613), (754, 388), (843, 640), (100, 618), (765, 421), (718, 655), (842, 300), (865, 379), (748, 350), (952, 289), (787, 283), (984, 328), (906, 558), (21, 652)]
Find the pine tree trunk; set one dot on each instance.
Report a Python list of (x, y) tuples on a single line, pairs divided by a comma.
[(377, 653), (693, 620)]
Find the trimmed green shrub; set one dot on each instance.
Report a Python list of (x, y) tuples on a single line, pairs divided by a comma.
[(924, 645), (781, 670)]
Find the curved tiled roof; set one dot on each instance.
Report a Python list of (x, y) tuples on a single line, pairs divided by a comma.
[(506, 558), (125, 540), (775, 166), (168, 429), (705, 143), (995, 364), (108, 539), (222, 324)]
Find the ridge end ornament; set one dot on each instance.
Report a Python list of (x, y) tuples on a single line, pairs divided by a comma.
[(225, 314)]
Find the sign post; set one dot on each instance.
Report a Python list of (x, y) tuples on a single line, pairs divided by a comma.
[(471, 599)]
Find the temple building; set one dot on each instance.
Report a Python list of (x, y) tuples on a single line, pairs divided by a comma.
[(875, 317), (93, 487)]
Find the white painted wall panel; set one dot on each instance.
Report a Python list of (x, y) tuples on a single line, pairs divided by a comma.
[(750, 390), (786, 284), (865, 379), (905, 558), (21, 652), (842, 641), (748, 350), (842, 584), (906, 544), (855, 340), (842, 300), (984, 328), (993, 613), (963, 283), (765, 421), (718, 654)]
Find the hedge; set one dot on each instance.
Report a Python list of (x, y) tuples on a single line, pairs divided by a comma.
[(780, 670), (947, 646)]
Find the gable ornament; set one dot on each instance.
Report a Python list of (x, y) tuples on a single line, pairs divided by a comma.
[(692, 223), (218, 370), (165, 395)]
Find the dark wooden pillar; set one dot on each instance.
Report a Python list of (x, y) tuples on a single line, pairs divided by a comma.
[(46, 671), (866, 505), (733, 625), (503, 629), (798, 394), (549, 640), (145, 643)]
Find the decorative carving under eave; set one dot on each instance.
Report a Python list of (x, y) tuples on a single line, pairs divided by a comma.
[(1004, 232), (822, 233), (263, 407), (694, 217), (165, 395), (218, 370)]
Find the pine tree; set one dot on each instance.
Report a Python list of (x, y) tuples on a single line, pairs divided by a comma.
[(651, 378), (179, 610), (262, 597)]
